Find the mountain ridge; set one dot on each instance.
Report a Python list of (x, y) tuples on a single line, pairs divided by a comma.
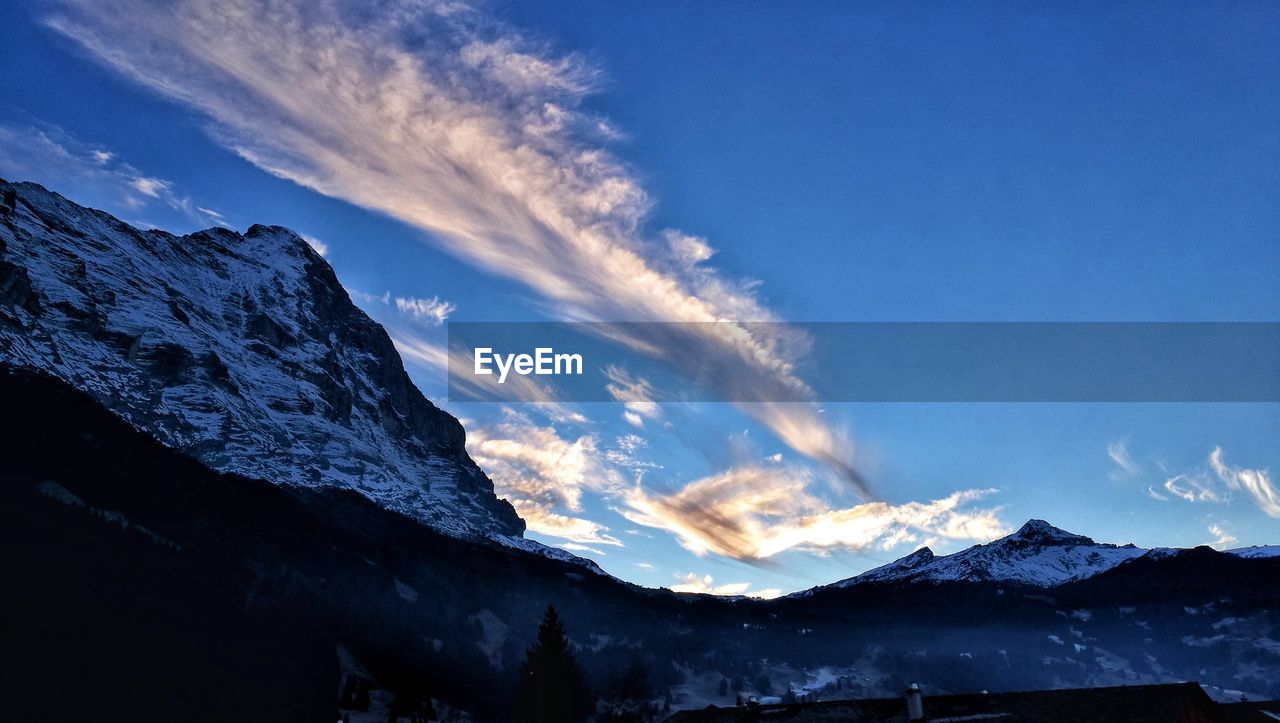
[(241, 350), (1038, 554)]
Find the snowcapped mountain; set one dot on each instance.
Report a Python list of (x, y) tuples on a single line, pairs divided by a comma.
[(241, 350), (1037, 554)]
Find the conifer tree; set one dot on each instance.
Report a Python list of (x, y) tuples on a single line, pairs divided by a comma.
[(552, 689)]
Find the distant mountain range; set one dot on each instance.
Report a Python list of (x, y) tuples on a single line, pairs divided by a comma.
[(1256, 551), (1037, 554)]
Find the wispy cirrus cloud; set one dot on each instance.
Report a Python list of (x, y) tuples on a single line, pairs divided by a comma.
[(636, 395), (443, 118), (422, 352), (433, 310), (625, 454), (1219, 483), (1151, 492), (1194, 487), (319, 246), (1254, 482), (53, 157), (1221, 538), (1118, 451), (752, 513)]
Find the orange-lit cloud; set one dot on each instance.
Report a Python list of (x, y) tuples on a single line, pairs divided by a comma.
[(752, 513), (544, 475)]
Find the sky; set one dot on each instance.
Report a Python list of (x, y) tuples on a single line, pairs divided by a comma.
[(810, 161)]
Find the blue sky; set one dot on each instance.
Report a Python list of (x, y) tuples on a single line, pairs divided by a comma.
[(809, 162)]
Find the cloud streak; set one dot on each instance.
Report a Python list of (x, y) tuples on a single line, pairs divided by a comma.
[(1193, 487), (636, 396), (1221, 538), (1151, 492), (1220, 483), (433, 310), (1118, 451), (753, 513), (438, 116), (316, 244), (705, 584), (1255, 482), (540, 473)]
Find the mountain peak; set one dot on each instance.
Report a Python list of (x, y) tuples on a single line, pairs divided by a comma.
[(924, 554), (241, 350), (1037, 554), (1041, 532)]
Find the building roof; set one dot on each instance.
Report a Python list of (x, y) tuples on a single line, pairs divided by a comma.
[(1179, 702), (1267, 711)]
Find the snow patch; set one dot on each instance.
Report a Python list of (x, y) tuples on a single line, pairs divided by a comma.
[(406, 592)]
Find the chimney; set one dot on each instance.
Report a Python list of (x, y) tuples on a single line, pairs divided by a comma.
[(915, 704)]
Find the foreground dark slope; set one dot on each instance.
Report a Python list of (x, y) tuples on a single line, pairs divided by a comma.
[(137, 577)]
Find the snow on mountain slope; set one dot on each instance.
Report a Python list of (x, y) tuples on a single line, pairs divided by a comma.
[(1037, 554), (1256, 551), (241, 350), (898, 569)]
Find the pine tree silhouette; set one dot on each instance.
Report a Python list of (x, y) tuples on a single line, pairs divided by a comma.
[(552, 689)]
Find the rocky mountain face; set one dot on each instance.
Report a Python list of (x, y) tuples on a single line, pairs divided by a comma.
[(241, 350)]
